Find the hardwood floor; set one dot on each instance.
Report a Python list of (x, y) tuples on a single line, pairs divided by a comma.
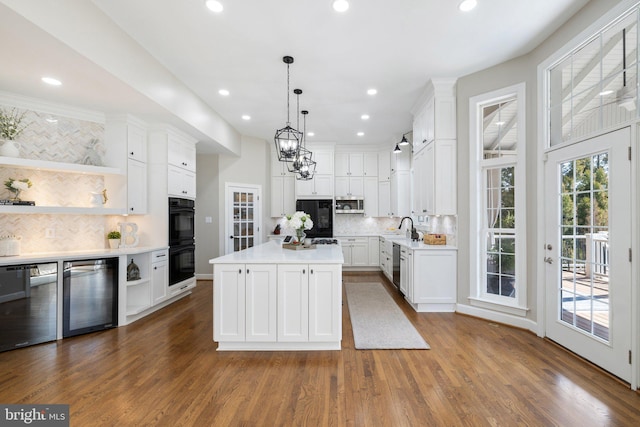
[(164, 370)]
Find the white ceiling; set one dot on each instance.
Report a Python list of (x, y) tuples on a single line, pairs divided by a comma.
[(394, 47)]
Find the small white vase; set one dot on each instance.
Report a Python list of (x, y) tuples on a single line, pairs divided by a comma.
[(9, 148), (114, 243)]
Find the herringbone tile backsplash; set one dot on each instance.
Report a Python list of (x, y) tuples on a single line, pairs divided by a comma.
[(66, 140)]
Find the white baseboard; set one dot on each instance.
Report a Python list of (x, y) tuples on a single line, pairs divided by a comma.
[(507, 319), (204, 276)]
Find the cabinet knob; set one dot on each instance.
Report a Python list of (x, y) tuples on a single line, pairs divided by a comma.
[(304, 271), (132, 153), (155, 268), (247, 271), (311, 271), (239, 271), (131, 209)]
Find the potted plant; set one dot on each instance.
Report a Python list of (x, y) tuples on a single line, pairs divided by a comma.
[(11, 126), (114, 239)]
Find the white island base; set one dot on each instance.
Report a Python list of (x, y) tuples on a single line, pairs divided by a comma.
[(267, 298)]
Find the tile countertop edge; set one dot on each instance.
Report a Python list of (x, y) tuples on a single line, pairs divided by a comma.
[(67, 255)]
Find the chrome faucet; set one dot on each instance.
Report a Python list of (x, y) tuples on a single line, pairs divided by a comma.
[(414, 233)]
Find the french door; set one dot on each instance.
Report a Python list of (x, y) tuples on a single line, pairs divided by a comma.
[(243, 207), (587, 250)]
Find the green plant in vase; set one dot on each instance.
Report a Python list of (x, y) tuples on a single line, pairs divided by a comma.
[(11, 126), (114, 239), (17, 186)]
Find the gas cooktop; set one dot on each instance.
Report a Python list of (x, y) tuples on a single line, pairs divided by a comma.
[(319, 241)]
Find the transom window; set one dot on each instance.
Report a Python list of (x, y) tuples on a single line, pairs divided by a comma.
[(594, 87)]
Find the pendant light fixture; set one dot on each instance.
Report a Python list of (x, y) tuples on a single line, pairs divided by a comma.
[(404, 140), (397, 150), (308, 165), (303, 153), (287, 139)]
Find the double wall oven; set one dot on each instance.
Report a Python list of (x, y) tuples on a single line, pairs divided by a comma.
[(181, 240)]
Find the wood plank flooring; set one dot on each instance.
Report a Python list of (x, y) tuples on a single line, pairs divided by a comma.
[(163, 370)]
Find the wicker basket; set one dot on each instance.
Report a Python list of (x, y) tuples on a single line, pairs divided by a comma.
[(435, 239)]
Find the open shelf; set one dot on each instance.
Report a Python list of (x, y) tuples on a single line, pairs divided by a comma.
[(72, 210), (45, 165), (137, 282)]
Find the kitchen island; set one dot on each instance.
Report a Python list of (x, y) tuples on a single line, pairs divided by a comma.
[(271, 298)]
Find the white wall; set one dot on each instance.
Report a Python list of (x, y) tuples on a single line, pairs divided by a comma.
[(522, 69)]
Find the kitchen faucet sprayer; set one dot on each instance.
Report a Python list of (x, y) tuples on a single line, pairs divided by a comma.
[(414, 233)]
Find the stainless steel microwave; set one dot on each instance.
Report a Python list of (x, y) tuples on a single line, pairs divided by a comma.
[(349, 205)]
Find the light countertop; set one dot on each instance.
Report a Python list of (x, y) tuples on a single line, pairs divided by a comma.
[(273, 253), (74, 255)]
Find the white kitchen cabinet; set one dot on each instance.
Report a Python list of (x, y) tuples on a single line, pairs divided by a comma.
[(181, 182), (126, 137), (349, 164), (245, 303), (136, 187), (352, 186), (435, 178), (435, 171), (287, 303), (229, 303), (374, 251), (404, 269), (325, 303), (321, 186), (159, 276), (324, 161), (371, 196), (182, 153), (293, 302), (384, 165), (370, 164), (433, 280), (283, 199), (384, 198), (309, 303), (355, 251), (136, 142), (386, 257), (401, 161), (400, 193), (260, 302)]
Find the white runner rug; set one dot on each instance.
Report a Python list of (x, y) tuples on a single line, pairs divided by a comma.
[(376, 320)]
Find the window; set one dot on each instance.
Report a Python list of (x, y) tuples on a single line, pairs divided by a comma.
[(594, 87), (497, 196)]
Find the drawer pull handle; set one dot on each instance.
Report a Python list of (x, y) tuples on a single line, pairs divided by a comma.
[(304, 271)]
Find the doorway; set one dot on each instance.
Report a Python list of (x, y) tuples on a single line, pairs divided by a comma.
[(243, 212), (587, 250)]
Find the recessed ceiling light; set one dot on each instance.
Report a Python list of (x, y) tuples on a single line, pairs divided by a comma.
[(467, 5), (360, 133), (246, 117), (311, 134), (340, 5), (51, 120), (214, 6), (364, 117), (499, 123), (223, 92), (372, 91), (51, 81), (605, 92)]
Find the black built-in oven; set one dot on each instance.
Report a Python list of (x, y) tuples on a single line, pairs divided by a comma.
[(181, 240), (321, 212)]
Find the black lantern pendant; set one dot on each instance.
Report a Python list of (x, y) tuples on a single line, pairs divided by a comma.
[(305, 159), (287, 139)]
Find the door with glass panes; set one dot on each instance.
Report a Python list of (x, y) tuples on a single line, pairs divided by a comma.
[(587, 250), (243, 217)]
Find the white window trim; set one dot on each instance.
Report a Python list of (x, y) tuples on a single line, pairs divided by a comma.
[(517, 305)]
